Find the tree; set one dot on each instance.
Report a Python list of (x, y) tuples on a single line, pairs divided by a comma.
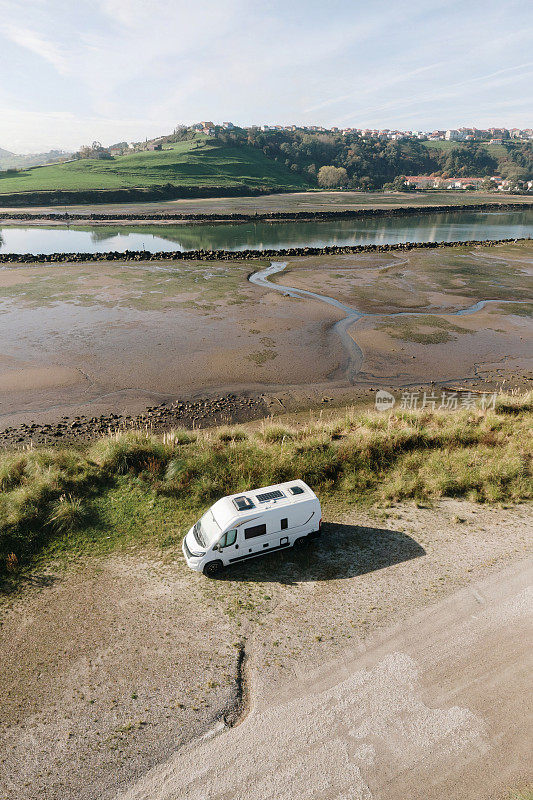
[(94, 151), (332, 177), (398, 184)]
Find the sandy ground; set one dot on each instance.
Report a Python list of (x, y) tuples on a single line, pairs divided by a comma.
[(295, 201), (434, 709), (110, 667)]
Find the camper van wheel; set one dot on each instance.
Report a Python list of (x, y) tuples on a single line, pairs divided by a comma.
[(301, 542), (212, 568)]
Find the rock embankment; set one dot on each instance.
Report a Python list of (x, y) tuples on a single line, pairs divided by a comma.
[(201, 413), (239, 255), (259, 216)]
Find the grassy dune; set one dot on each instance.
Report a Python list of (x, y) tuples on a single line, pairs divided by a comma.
[(136, 489), (198, 162)]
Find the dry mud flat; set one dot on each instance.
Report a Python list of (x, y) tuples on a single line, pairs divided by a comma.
[(110, 667), (324, 211)]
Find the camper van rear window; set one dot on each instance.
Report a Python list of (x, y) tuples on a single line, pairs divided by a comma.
[(296, 490), (273, 495), (243, 503)]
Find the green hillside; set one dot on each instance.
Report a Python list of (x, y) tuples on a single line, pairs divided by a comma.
[(198, 162), (497, 151)]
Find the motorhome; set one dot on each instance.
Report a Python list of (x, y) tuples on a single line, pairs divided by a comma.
[(250, 524)]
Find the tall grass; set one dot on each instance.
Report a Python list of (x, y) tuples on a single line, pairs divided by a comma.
[(361, 457)]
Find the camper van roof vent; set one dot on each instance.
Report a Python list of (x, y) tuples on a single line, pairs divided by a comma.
[(273, 495), (243, 503), (296, 490)]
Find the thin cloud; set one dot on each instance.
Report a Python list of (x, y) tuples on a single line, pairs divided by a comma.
[(449, 92), (379, 85), (39, 45)]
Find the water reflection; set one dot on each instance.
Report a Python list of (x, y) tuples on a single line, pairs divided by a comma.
[(454, 226)]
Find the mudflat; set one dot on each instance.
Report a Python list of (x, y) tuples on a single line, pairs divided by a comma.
[(288, 201), (115, 338)]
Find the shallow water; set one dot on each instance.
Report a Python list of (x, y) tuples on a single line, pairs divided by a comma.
[(453, 226)]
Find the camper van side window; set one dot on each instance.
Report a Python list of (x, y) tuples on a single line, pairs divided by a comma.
[(256, 530), (229, 538), (284, 524)]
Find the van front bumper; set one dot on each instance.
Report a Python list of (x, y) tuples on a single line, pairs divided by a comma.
[(193, 561)]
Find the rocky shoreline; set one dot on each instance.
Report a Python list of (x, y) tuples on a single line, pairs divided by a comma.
[(240, 255), (200, 413)]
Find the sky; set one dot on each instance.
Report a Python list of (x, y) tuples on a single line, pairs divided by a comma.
[(114, 70)]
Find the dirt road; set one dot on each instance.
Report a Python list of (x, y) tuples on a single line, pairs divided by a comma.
[(110, 666), (436, 708)]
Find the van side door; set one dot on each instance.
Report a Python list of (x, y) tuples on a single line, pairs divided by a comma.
[(229, 546)]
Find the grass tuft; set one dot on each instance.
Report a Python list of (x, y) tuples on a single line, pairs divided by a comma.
[(67, 514), (231, 435), (12, 470), (277, 433)]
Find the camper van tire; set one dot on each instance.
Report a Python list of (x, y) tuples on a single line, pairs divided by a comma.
[(213, 568), (302, 541)]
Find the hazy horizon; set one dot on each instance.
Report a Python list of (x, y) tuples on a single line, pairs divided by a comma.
[(116, 70)]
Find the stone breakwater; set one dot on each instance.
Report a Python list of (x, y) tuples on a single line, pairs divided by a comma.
[(261, 216), (240, 255), (206, 412)]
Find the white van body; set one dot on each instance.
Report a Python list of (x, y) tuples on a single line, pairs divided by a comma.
[(249, 524)]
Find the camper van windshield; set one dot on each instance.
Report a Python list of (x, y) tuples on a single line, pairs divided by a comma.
[(207, 531)]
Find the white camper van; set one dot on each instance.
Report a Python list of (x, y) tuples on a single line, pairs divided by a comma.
[(250, 524)]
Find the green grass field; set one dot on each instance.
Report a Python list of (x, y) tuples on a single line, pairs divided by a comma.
[(439, 145), (198, 162)]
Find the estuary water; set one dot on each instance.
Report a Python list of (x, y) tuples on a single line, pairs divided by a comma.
[(87, 238)]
